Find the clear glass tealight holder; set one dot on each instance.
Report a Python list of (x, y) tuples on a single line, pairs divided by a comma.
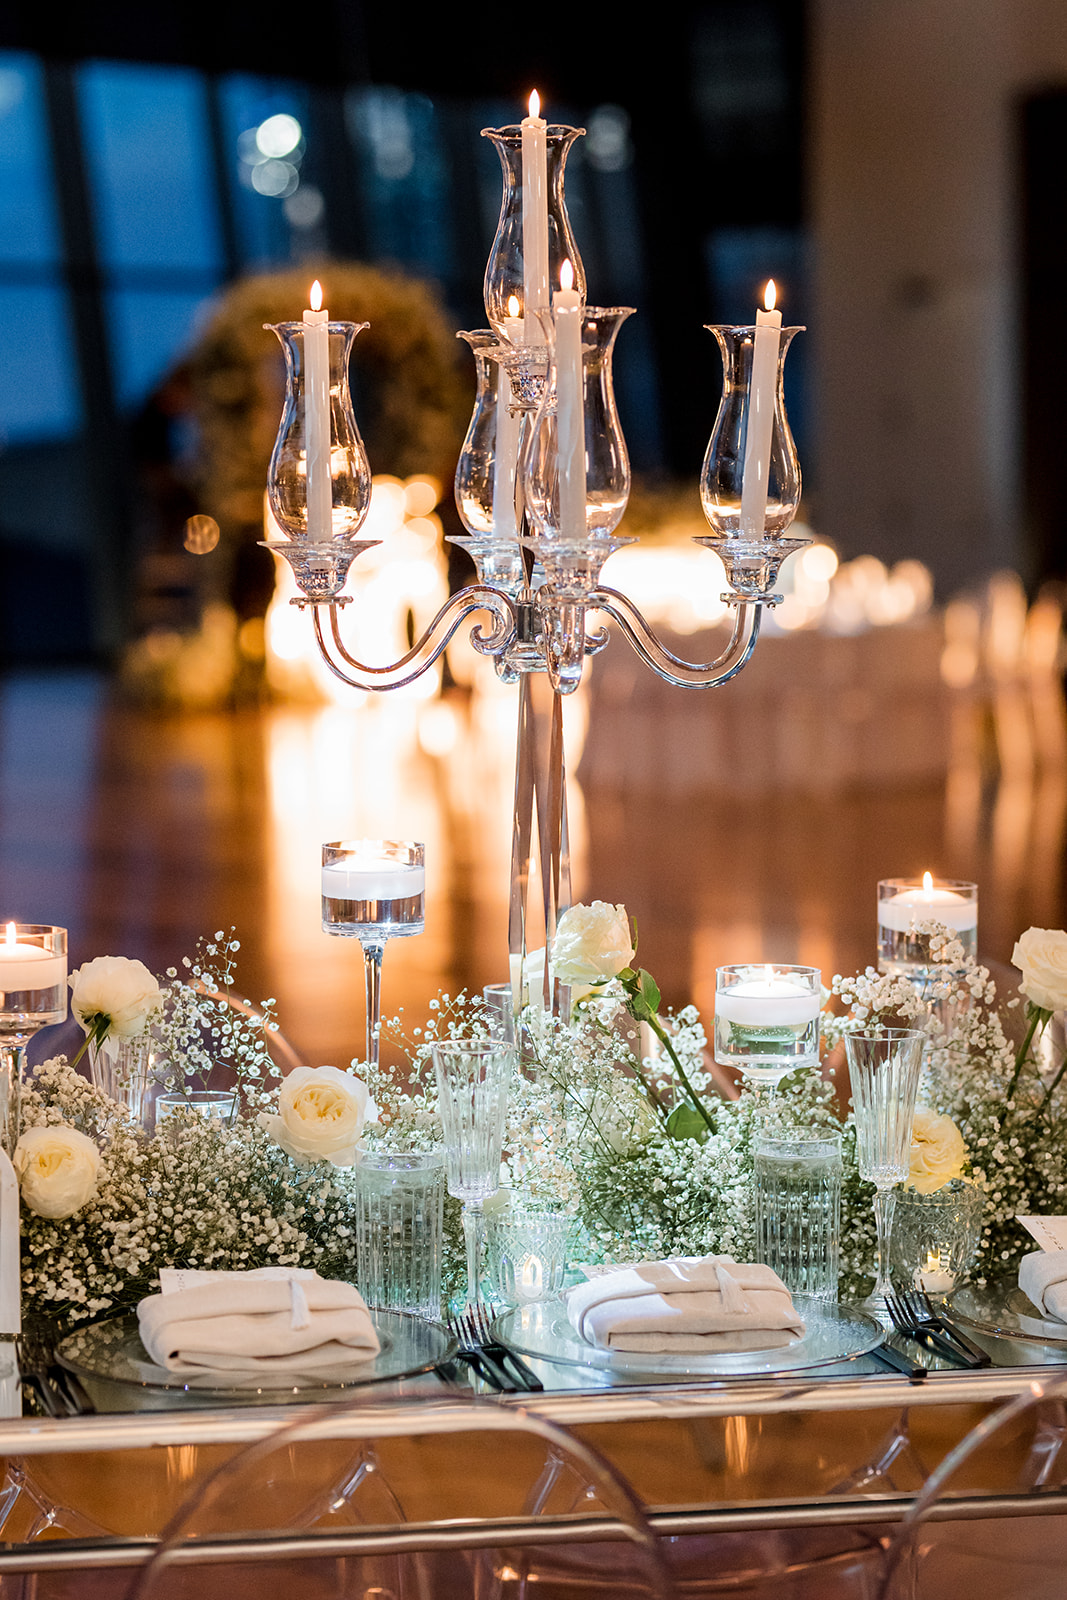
[(767, 1019), (214, 1105), (33, 995), (904, 904), (528, 1251)]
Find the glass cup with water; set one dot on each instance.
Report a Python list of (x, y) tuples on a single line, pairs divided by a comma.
[(798, 1208)]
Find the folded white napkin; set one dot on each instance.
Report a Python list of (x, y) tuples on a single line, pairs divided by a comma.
[(272, 1319), (1043, 1279), (689, 1304)]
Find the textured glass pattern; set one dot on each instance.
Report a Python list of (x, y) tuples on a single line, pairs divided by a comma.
[(884, 1073), (798, 1211), (400, 1197)]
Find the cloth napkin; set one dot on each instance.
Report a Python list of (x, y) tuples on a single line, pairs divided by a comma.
[(688, 1304), (272, 1319), (1043, 1279)]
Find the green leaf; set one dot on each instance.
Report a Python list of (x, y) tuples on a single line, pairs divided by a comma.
[(650, 990), (685, 1122)]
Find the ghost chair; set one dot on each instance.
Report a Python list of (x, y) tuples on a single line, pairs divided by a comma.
[(991, 1521), (323, 1506)]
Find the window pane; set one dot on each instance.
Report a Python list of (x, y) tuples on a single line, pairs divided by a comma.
[(277, 211), (38, 399), (147, 145), (150, 332), (28, 231), (405, 177)]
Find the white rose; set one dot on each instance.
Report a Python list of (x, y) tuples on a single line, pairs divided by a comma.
[(937, 1151), (113, 997), (321, 1112), (56, 1169), (592, 943), (1041, 955)]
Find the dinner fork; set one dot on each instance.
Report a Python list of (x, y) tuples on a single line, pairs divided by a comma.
[(483, 1361), (905, 1323), (479, 1322), (919, 1306)]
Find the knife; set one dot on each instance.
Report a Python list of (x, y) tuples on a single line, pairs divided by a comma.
[(902, 1363)]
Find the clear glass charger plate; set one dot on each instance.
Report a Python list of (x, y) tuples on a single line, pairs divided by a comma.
[(1002, 1308), (834, 1333), (112, 1351)]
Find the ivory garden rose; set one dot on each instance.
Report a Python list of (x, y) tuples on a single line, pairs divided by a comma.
[(320, 1117), (114, 997), (1041, 955), (57, 1169), (592, 943), (937, 1151)]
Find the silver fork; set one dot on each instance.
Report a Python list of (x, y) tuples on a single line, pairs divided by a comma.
[(483, 1362), (920, 1307), (478, 1319), (905, 1323)]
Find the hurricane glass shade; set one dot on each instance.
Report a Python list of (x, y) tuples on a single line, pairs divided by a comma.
[(722, 474)]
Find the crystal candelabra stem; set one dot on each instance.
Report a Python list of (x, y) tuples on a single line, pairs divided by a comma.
[(11, 1056), (358, 675), (683, 674), (372, 977)]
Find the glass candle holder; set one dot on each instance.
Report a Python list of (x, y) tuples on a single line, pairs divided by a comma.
[(767, 1019), (904, 903), (33, 995), (528, 1252), (373, 890), (935, 1236), (211, 1104)]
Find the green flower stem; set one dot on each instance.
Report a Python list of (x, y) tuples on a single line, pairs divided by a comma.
[(99, 1028), (697, 1104), (1038, 1019)]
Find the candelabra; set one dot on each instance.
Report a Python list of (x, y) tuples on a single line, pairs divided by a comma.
[(541, 486)]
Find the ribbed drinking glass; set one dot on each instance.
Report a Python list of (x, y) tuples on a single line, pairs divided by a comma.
[(884, 1072), (472, 1083)]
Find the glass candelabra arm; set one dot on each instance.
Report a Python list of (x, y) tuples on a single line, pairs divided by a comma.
[(685, 674), (477, 597)]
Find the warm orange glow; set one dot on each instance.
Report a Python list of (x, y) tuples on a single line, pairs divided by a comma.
[(928, 883), (316, 296), (10, 933), (535, 103), (770, 295), (566, 276), (513, 305)]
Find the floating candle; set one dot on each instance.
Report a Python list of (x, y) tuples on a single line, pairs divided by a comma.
[(929, 903), (25, 966)]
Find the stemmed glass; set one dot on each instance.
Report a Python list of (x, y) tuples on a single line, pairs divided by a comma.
[(884, 1072), (767, 1021), (472, 1082), (373, 890), (33, 995)]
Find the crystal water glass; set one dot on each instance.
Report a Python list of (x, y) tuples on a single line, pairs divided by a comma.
[(884, 1070), (798, 1209), (472, 1083), (33, 995), (399, 1220), (767, 1020), (373, 890)]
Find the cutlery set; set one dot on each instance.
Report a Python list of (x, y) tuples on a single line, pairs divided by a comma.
[(490, 1360), (59, 1392), (914, 1317)]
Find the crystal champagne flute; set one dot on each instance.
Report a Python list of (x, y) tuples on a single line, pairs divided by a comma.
[(884, 1072), (472, 1082), (373, 890)]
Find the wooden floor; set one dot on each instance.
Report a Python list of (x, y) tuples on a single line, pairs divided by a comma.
[(141, 831)]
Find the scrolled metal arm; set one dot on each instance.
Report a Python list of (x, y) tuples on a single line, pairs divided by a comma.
[(684, 674), (476, 597)]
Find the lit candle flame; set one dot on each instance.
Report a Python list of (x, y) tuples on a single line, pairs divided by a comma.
[(10, 933), (928, 883), (535, 103), (566, 275), (770, 295), (315, 299), (513, 305)]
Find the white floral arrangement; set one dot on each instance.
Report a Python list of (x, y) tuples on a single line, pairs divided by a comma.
[(635, 1143)]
